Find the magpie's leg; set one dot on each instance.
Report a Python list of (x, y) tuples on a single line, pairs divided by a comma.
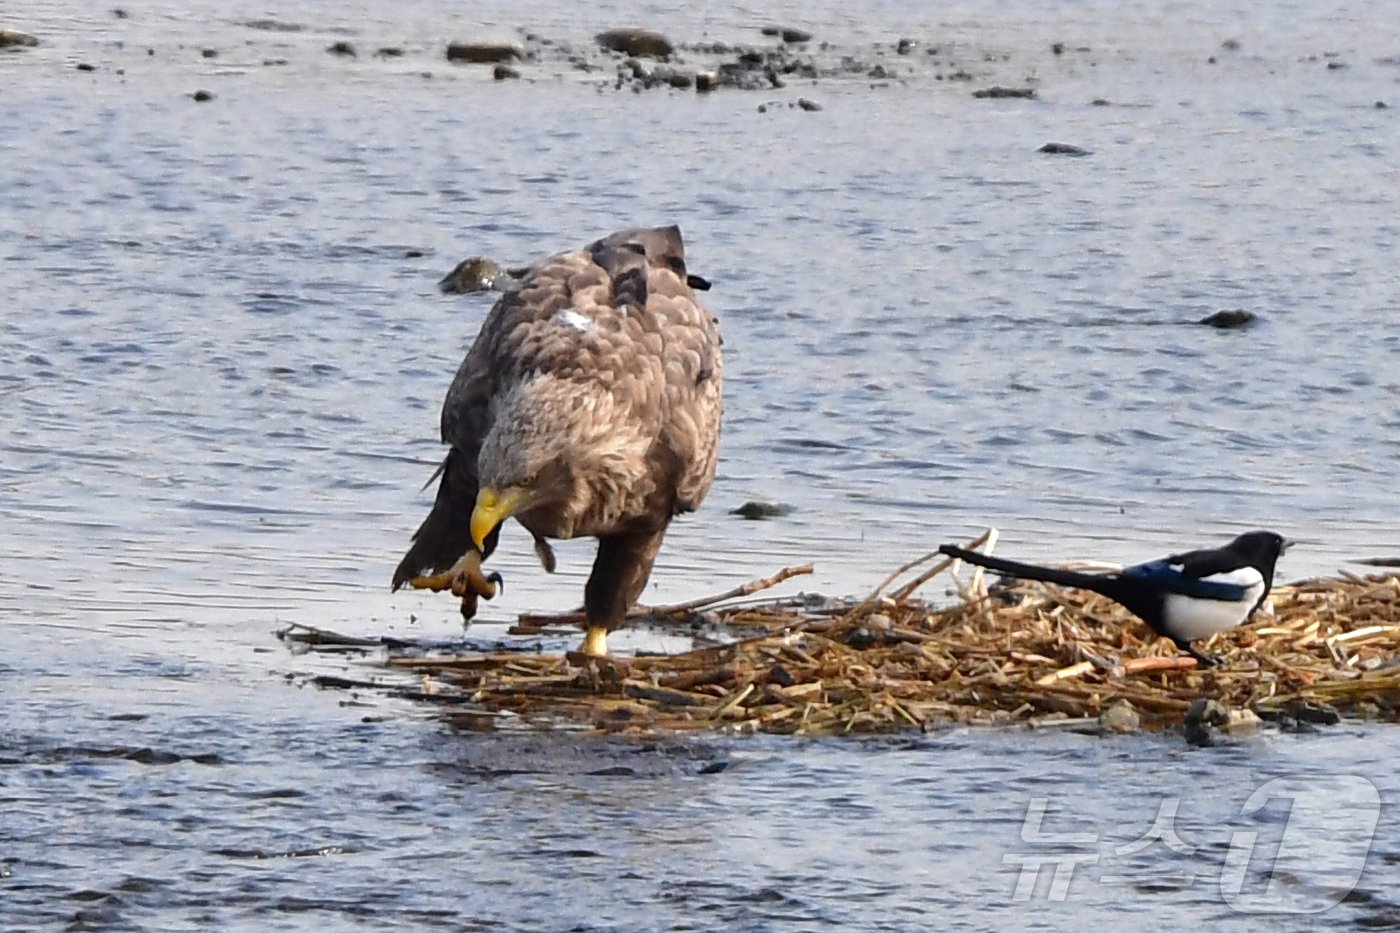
[(1203, 659)]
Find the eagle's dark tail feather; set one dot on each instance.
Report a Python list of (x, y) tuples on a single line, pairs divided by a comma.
[(445, 534), (1106, 585)]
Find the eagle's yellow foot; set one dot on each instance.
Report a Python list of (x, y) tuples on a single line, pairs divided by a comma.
[(595, 642), (464, 579)]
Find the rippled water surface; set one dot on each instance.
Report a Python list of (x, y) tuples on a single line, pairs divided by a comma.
[(222, 352)]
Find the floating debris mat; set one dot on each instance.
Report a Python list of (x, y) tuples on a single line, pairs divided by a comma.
[(1011, 653)]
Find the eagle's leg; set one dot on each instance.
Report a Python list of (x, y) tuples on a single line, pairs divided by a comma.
[(595, 641), (619, 575), (463, 578)]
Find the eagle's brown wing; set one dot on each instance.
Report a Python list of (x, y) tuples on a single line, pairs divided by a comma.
[(656, 354)]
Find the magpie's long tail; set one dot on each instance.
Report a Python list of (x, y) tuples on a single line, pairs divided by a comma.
[(1109, 586)]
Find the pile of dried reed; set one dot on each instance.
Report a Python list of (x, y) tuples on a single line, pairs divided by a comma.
[(1015, 653)]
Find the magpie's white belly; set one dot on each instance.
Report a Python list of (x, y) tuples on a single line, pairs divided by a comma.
[(1190, 618)]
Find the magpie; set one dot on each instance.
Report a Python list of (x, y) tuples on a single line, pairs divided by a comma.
[(1183, 597)]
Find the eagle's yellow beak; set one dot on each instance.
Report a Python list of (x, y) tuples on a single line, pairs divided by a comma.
[(494, 507)]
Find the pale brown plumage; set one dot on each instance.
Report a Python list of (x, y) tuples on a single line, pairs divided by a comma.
[(588, 405)]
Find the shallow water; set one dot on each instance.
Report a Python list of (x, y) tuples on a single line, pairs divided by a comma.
[(220, 369)]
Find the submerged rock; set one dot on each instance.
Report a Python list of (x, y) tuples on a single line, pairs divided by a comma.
[(788, 34), (636, 42), (1120, 716), (478, 274), (484, 53), (341, 47), (998, 92), (1202, 719), (1231, 319), (1320, 714), (754, 510), (12, 38), (1063, 149), (273, 25)]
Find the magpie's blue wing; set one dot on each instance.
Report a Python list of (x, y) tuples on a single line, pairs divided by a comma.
[(1164, 574), (1207, 562)]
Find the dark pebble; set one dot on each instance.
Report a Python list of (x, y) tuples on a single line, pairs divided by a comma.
[(1322, 714), (341, 48), (201, 96), (1202, 719), (787, 33), (636, 42), (504, 73), (1336, 66), (1058, 48), (1229, 319), (389, 51), (210, 53), (1000, 93), (119, 13), (754, 510), (860, 638), (808, 105), (482, 54), (84, 66), (413, 254), (904, 47), (714, 767), (779, 676), (1063, 149), (1381, 105), (1231, 45)]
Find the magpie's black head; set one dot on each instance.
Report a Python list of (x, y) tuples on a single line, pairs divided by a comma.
[(1261, 549)]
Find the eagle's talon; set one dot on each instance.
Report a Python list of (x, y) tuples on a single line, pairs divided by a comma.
[(463, 579), (470, 584), (468, 608), (436, 582)]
